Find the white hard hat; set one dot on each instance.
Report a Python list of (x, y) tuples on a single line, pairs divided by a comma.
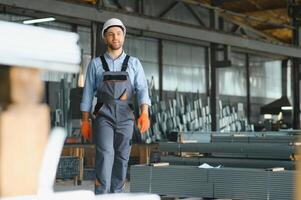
[(112, 22)]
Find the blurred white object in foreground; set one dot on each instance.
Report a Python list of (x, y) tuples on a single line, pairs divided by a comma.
[(35, 47), (48, 172)]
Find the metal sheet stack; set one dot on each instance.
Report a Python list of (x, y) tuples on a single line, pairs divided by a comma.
[(231, 119), (230, 183), (188, 113), (228, 162), (180, 181), (246, 149), (256, 137), (242, 150), (177, 114)]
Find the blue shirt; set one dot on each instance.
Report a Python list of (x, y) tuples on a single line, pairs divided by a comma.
[(95, 75)]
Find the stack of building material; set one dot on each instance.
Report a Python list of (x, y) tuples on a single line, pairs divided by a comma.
[(256, 137), (189, 114), (231, 119), (243, 150), (177, 115), (228, 162), (236, 154), (230, 183)]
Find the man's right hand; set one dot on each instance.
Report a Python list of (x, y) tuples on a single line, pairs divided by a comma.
[(86, 130)]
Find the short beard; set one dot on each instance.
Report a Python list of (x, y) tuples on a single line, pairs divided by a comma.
[(115, 48)]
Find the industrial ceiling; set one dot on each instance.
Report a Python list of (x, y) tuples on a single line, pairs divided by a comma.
[(268, 17)]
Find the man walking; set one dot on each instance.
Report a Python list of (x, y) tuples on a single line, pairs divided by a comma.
[(114, 78)]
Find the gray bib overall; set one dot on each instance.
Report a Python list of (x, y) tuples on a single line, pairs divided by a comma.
[(113, 128)]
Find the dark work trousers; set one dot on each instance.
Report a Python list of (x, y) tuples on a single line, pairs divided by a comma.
[(113, 144)]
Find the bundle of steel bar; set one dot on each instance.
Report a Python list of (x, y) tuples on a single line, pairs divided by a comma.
[(233, 119), (229, 183), (246, 137), (185, 113), (230, 162), (245, 150)]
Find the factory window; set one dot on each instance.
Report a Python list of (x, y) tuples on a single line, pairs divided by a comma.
[(146, 49), (183, 67), (265, 77), (232, 80)]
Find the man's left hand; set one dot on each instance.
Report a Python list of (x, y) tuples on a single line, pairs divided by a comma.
[(143, 122)]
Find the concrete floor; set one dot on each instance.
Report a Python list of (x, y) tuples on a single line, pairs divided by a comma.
[(67, 185)]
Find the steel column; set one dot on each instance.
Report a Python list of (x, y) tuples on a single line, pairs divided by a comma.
[(248, 88), (296, 93), (160, 56), (284, 77), (295, 75), (213, 79), (207, 71), (97, 45)]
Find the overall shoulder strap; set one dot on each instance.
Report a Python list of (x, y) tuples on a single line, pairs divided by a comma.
[(104, 63), (125, 63)]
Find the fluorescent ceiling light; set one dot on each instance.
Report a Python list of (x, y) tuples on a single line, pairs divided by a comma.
[(286, 107), (267, 116), (33, 21)]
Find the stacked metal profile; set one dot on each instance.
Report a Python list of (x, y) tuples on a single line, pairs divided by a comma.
[(231, 154), (229, 162), (181, 181), (68, 167), (238, 149), (232, 183), (177, 115), (233, 119), (246, 149), (237, 183), (247, 137), (252, 154), (255, 137), (190, 113)]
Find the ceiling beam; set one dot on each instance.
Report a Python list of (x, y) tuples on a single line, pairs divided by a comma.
[(273, 5), (265, 11), (194, 13), (263, 27), (168, 9), (152, 25), (244, 25), (220, 2)]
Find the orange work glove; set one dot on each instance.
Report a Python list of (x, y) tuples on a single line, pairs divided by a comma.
[(86, 130), (143, 122)]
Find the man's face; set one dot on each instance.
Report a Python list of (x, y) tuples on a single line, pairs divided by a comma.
[(114, 38)]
